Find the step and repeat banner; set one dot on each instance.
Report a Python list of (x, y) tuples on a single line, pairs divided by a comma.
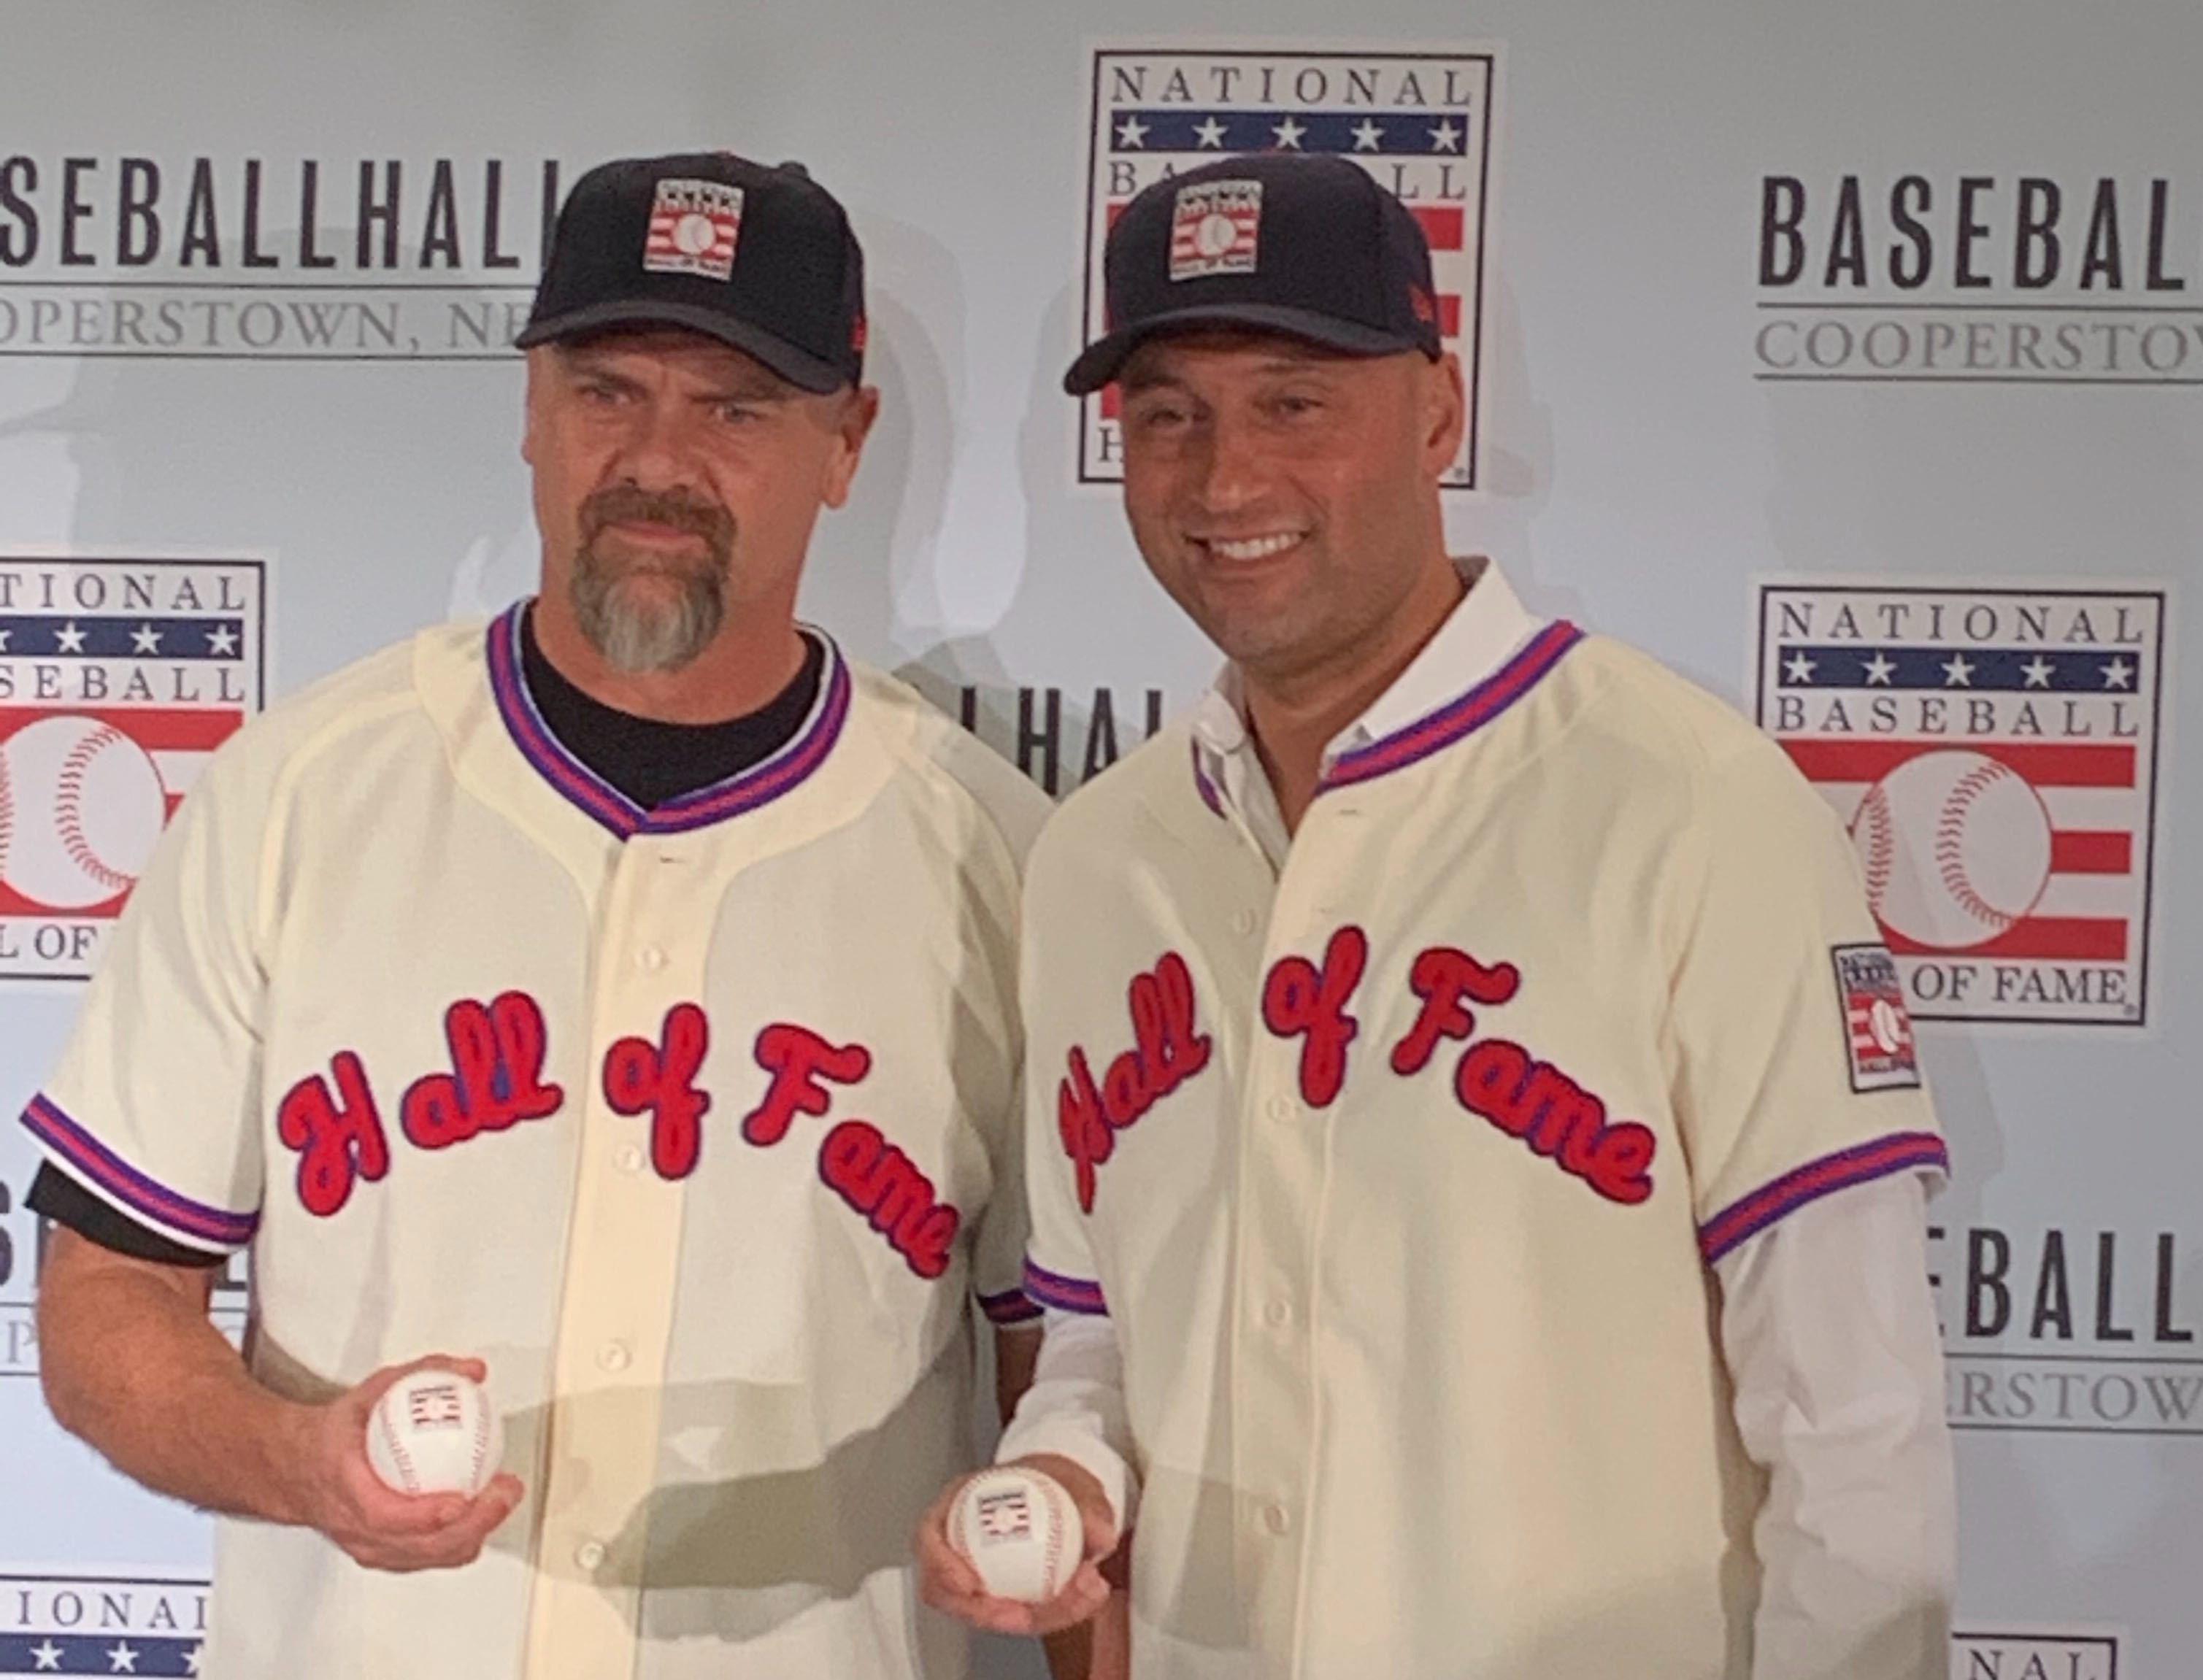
[(1848, 359)]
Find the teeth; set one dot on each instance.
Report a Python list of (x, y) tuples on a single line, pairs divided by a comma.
[(1255, 548)]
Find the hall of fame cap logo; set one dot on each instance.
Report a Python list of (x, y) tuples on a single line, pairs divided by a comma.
[(1419, 121), (64, 1622), (694, 228), (1994, 754), (1216, 229), (118, 678)]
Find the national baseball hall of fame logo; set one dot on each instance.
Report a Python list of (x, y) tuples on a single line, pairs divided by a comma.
[(1994, 754), (1419, 122), (118, 678), (57, 1622)]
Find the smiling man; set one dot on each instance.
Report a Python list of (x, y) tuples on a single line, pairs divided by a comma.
[(615, 1003), (1476, 1149)]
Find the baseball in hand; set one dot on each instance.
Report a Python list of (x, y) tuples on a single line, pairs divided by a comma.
[(1020, 1531), (434, 1432)]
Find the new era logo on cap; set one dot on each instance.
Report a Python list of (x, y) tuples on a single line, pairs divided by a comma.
[(693, 226), (1216, 229)]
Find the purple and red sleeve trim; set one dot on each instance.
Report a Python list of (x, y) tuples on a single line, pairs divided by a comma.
[(1741, 1221), (143, 1198), (1010, 1309), (1064, 1295)]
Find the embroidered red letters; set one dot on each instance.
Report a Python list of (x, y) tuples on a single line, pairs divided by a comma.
[(496, 1078), (498, 1054), (336, 1140), (795, 1057), (659, 1079), (882, 1183), (1522, 1096), (1166, 1053), (855, 1161), (1296, 999)]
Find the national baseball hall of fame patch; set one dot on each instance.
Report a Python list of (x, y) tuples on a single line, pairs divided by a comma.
[(118, 679), (1993, 753)]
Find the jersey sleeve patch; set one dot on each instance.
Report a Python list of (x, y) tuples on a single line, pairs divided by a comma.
[(1015, 1307), (1900, 1151), (1065, 1294), (1878, 1042), (99, 1168)]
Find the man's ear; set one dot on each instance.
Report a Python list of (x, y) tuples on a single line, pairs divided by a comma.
[(860, 408)]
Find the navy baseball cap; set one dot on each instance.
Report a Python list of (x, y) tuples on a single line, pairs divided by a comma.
[(759, 257), (1307, 245)]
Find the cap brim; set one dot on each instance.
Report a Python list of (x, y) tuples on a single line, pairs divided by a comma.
[(799, 368), (1105, 358)]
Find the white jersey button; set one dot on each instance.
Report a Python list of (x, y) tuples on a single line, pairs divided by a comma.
[(630, 1159), (650, 959), (612, 1356), (1277, 1315), (1280, 1109), (1276, 1519), (590, 1555), (1243, 922)]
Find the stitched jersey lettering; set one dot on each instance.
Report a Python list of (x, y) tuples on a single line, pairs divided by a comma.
[(659, 1079), (338, 1139), (1300, 1000), (497, 1074), (1166, 1050), (797, 1058)]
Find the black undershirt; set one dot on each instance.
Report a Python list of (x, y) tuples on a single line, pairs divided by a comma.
[(649, 762)]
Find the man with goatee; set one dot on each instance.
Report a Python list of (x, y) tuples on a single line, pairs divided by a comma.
[(614, 1003)]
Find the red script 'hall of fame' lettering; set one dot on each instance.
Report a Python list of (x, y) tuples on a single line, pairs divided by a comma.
[(496, 1079), (1166, 1052), (1298, 1001), (659, 1079), (797, 1058), (1523, 1097)]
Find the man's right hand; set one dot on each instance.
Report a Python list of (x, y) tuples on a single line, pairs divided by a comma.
[(338, 1493), (948, 1581)]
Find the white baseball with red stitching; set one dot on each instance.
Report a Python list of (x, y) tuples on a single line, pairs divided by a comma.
[(434, 1432), (1954, 846), (1020, 1531), (84, 806)]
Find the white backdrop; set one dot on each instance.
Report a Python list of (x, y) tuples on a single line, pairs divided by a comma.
[(1706, 369)]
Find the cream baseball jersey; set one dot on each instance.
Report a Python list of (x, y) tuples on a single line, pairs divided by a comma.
[(1401, 1165), (698, 1124)]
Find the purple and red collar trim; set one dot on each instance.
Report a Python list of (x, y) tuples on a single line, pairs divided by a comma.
[(580, 786), (1460, 718)]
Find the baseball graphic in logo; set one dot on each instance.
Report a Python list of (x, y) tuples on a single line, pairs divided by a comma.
[(1988, 858), (80, 806), (1993, 753), (118, 679), (1215, 229), (694, 228)]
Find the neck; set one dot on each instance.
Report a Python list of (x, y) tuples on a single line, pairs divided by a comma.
[(755, 657), (1293, 716)]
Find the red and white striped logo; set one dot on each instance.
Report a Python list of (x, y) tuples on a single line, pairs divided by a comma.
[(1992, 754), (1877, 1031), (1216, 229), (118, 679), (694, 228)]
